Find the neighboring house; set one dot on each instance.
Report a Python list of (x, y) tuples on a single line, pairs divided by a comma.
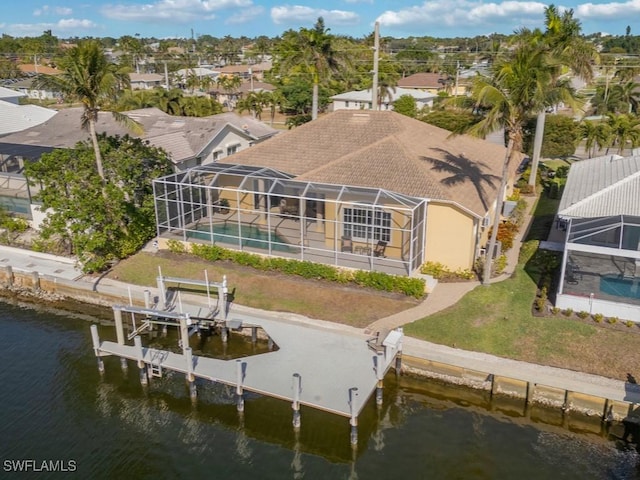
[(189, 141), (184, 73), (600, 216), (15, 117), (26, 87), (246, 71), (369, 190), (361, 99), (34, 69), (146, 81), (427, 81)]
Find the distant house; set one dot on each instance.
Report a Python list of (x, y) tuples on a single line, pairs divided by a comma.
[(246, 71), (25, 86), (427, 81), (368, 190), (146, 81), (362, 99), (189, 141), (599, 215), (34, 69)]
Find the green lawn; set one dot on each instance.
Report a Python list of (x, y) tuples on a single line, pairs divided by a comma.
[(498, 319)]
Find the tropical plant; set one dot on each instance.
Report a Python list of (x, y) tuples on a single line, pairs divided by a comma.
[(310, 52), (88, 77), (100, 228)]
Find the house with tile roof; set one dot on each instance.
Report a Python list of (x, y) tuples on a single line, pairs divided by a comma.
[(426, 81), (189, 141), (146, 81), (371, 190), (599, 214)]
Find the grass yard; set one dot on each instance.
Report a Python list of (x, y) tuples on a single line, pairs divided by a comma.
[(348, 305)]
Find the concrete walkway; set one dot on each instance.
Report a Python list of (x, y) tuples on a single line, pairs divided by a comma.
[(447, 294)]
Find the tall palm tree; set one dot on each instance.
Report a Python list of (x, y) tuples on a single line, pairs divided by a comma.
[(625, 130), (517, 86), (311, 52), (88, 77), (566, 48)]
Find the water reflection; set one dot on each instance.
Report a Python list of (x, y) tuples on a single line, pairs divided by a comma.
[(115, 428)]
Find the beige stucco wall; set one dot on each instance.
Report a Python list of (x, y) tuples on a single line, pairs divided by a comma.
[(450, 236)]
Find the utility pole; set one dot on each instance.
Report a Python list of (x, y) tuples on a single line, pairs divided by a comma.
[(376, 51), (166, 75), (457, 72)]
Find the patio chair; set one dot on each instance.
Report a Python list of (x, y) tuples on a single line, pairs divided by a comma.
[(379, 249), (572, 275), (346, 245)]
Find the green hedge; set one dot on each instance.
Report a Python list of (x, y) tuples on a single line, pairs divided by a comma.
[(413, 287)]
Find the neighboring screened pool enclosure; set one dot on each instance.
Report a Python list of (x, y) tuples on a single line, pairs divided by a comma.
[(601, 267), (264, 211)]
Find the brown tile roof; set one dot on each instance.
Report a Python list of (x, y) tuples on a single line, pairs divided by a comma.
[(422, 80), (389, 151), (32, 68)]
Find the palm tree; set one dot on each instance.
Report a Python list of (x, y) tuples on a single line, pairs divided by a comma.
[(566, 48), (625, 130), (589, 132), (516, 87), (230, 85), (311, 52), (88, 77)]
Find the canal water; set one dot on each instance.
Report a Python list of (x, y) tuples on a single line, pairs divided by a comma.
[(55, 407)]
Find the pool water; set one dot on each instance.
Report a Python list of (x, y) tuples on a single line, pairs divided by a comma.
[(251, 235), (620, 287)]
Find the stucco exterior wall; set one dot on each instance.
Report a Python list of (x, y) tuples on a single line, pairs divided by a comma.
[(450, 236)]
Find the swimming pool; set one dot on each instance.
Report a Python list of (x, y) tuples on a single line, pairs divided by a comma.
[(251, 235), (620, 287)]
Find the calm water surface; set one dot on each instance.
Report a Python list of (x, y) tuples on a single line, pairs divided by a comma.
[(54, 405)]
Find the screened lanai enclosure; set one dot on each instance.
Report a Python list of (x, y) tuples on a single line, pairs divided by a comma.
[(264, 211), (601, 267)]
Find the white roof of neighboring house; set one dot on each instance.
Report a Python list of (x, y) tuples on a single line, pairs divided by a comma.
[(198, 71), (15, 118), (8, 93), (602, 187), (365, 95)]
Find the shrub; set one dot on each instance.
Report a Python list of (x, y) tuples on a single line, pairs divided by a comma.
[(500, 264), (506, 234), (629, 323), (567, 312), (582, 314), (612, 320), (555, 310), (598, 318), (381, 281), (540, 303), (176, 246), (441, 272)]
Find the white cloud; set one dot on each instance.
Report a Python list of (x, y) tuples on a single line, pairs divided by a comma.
[(66, 26), (461, 13), (359, 1), (626, 10), (298, 14), (176, 11), (47, 10), (245, 15)]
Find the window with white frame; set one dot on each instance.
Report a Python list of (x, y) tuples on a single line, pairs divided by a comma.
[(231, 149), (367, 224), (216, 155)]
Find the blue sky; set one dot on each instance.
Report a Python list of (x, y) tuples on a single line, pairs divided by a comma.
[(398, 18)]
